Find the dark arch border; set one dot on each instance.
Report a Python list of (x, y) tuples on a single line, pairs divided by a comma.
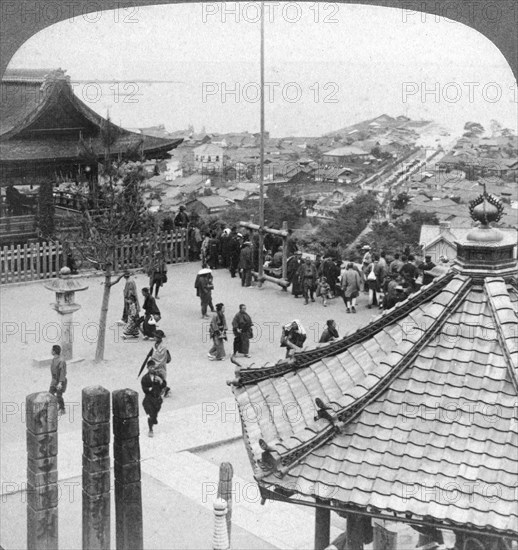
[(495, 19)]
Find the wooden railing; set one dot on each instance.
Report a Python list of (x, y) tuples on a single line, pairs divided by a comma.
[(30, 262)]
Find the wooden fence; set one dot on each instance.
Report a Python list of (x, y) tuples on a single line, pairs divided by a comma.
[(30, 262)]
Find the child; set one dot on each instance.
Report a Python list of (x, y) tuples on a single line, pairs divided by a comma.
[(323, 290)]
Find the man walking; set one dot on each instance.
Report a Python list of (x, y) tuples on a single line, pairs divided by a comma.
[(246, 264), (58, 382), (204, 284), (308, 277), (157, 273), (152, 386), (242, 328)]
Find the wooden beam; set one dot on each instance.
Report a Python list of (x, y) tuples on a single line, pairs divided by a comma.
[(255, 227), (280, 282)]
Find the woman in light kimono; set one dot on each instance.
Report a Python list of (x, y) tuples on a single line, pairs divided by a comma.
[(131, 328)]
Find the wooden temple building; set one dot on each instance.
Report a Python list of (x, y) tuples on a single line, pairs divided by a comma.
[(412, 418), (49, 135)]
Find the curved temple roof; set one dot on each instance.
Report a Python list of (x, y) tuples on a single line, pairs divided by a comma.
[(414, 414), (41, 118)]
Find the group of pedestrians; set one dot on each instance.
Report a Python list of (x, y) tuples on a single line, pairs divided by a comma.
[(133, 322)]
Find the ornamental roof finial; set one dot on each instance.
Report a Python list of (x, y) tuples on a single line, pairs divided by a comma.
[(486, 208)]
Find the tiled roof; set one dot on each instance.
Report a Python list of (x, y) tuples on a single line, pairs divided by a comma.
[(422, 411), (346, 151), (32, 101)]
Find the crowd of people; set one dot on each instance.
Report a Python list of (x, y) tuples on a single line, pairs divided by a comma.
[(383, 279)]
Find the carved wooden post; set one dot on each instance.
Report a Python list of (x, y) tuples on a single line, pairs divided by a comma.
[(42, 473), (220, 538), (322, 525), (96, 468), (126, 454), (225, 492)]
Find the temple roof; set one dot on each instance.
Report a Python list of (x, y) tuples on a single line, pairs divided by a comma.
[(414, 414), (41, 118)]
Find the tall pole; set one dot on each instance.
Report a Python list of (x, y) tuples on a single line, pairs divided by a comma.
[(261, 159)]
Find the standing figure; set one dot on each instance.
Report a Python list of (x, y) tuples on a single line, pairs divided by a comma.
[(323, 290), (331, 272), (130, 289), (330, 333), (151, 315), (307, 274), (293, 337), (246, 264), (58, 373), (204, 250), (157, 273), (161, 356), (373, 281), (213, 251), (351, 286), (131, 328), (425, 268), (409, 272), (292, 269), (235, 250), (396, 264), (152, 386), (242, 328), (218, 333), (225, 247), (366, 264), (182, 218), (204, 286)]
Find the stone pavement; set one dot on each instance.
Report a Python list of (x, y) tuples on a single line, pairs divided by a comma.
[(178, 473)]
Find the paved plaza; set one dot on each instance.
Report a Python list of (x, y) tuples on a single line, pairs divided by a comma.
[(198, 427)]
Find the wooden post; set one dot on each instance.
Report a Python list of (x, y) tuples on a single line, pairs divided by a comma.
[(126, 454), (42, 474), (285, 252), (220, 538), (96, 468), (225, 492), (354, 538), (322, 525)]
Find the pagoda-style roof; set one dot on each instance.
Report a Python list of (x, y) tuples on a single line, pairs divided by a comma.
[(410, 417), (42, 119)]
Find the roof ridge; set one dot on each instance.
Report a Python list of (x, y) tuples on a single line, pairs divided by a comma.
[(307, 358), (496, 311), (290, 458)]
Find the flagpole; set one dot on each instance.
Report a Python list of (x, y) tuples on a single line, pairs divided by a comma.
[(261, 159)]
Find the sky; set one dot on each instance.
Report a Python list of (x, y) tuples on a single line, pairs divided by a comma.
[(326, 66)]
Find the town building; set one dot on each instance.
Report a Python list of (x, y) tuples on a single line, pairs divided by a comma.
[(344, 155), (208, 158), (208, 205)]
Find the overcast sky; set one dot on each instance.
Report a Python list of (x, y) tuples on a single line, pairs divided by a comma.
[(327, 65)]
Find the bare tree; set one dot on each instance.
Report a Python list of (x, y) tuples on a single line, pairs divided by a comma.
[(120, 211)]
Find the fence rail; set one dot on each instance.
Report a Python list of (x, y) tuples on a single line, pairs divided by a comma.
[(31, 262)]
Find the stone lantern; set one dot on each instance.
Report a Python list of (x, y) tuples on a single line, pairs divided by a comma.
[(65, 288)]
